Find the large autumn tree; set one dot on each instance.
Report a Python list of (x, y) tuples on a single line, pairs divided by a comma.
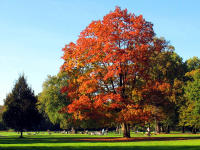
[(113, 58)]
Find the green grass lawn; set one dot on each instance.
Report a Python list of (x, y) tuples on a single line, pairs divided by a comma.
[(43, 141)]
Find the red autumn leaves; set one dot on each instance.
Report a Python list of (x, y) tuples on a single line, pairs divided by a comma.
[(109, 66)]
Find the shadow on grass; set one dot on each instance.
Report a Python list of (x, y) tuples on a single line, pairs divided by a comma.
[(88, 139), (136, 139), (103, 148)]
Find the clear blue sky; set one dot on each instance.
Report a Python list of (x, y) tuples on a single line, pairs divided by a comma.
[(33, 32)]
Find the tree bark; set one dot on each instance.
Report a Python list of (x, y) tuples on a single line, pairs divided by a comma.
[(126, 130)]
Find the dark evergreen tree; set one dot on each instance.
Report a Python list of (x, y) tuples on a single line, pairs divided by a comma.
[(20, 108)]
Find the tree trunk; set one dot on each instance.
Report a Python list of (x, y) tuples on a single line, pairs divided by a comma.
[(117, 130), (126, 130), (167, 130), (157, 127), (21, 134), (162, 128), (183, 129), (149, 130), (194, 130)]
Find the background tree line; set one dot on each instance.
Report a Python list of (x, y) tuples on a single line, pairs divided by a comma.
[(118, 74)]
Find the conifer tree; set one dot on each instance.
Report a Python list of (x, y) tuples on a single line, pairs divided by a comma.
[(20, 108)]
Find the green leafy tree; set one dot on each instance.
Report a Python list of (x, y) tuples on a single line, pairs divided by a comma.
[(176, 70), (2, 127), (193, 63), (170, 68), (1, 113), (20, 108), (51, 100), (190, 112)]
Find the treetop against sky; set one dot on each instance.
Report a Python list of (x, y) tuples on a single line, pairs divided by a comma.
[(34, 32)]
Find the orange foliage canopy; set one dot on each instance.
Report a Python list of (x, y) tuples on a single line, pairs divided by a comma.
[(112, 58)]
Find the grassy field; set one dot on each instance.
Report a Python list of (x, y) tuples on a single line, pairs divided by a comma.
[(56, 141)]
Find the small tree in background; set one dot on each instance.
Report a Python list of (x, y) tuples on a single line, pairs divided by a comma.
[(51, 100), (190, 112), (20, 107), (2, 126), (193, 63)]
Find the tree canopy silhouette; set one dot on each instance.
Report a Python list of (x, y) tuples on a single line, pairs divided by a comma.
[(20, 107)]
